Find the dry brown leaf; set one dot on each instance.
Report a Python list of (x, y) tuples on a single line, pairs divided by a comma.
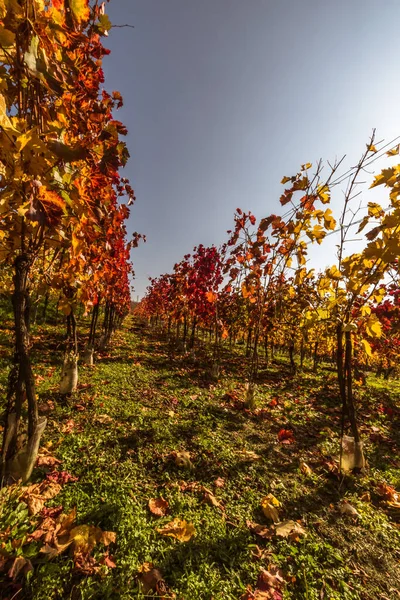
[(261, 530), (305, 469), (149, 577), (68, 427), (45, 457), (108, 537), (108, 561), (346, 508), (158, 507), (103, 419), (36, 495), (182, 459), (65, 522), (388, 492), (19, 565), (219, 482), (86, 563), (269, 506), (211, 499), (366, 497), (53, 550), (249, 455), (151, 580), (191, 486), (269, 584), (178, 529), (289, 529)]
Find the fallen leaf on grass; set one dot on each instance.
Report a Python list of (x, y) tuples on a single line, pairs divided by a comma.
[(103, 419), (178, 529), (46, 459), (269, 506), (219, 482), (286, 436), (208, 496), (388, 493), (270, 583), (59, 534), (19, 565), (151, 580), (346, 508), (261, 530), (182, 459), (83, 538), (36, 495), (108, 561), (366, 497), (210, 499), (61, 477), (289, 529), (86, 564), (68, 427), (332, 466), (249, 455), (158, 507), (269, 586), (305, 469)]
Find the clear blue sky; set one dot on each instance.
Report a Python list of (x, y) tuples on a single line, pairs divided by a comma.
[(224, 97)]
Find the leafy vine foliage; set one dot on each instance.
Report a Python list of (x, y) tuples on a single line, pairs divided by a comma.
[(268, 298), (63, 203)]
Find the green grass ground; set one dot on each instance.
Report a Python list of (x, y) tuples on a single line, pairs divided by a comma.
[(119, 435)]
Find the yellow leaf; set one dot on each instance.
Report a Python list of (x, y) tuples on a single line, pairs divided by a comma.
[(324, 285), (285, 180), (365, 310), (83, 538), (76, 245), (373, 327), (269, 506), (371, 148), (374, 210), (386, 177), (22, 210), (80, 10), (324, 194), (178, 529), (300, 276), (24, 139), (306, 166), (334, 273), (350, 327), (367, 347), (317, 233), (394, 151), (329, 220), (305, 469)]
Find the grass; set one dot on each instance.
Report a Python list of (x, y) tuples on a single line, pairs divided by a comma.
[(141, 403)]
